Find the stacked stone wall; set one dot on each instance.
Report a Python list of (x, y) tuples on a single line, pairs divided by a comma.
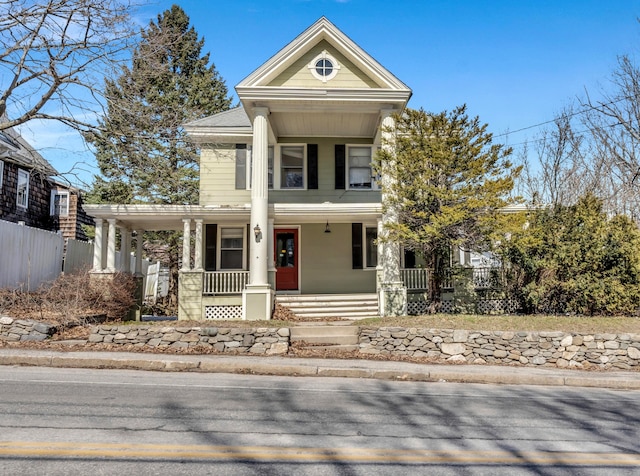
[(267, 341), (22, 330), (557, 349)]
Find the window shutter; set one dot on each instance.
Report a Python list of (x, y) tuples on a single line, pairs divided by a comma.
[(211, 240), (340, 166), (312, 166), (356, 245), (241, 166), (409, 259), (248, 247)]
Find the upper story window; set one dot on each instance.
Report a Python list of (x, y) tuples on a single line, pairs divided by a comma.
[(22, 198), (359, 174), (292, 166), (59, 203), (324, 67)]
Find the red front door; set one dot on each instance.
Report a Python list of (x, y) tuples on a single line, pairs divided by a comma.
[(286, 253)]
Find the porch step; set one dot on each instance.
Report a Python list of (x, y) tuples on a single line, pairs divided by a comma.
[(326, 335), (321, 306)]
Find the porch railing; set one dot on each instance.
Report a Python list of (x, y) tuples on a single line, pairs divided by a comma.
[(415, 279), (224, 282)]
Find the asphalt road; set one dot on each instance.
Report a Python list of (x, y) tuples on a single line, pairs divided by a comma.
[(76, 421)]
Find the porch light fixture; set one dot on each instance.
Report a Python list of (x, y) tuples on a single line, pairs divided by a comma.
[(257, 231), (326, 228)]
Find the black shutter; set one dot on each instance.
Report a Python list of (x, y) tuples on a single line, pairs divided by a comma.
[(211, 240), (340, 166), (409, 259), (356, 245), (248, 250), (312, 166), (241, 166)]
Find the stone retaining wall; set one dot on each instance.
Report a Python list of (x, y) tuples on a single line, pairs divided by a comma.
[(268, 341), (21, 330), (556, 349)]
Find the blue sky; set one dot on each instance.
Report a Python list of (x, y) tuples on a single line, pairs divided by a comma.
[(514, 63)]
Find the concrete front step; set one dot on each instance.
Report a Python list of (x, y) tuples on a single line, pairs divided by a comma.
[(318, 306), (335, 348), (328, 335)]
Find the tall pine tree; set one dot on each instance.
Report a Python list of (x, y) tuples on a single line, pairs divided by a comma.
[(140, 145)]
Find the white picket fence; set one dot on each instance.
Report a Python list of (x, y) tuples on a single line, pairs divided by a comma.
[(29, 256)]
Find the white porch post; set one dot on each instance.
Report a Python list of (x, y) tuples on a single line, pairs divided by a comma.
[(125, 249), (186, 244), (257, 298), (97, 246), (392, 297), (138, 269), (111, 245), (197, 265)]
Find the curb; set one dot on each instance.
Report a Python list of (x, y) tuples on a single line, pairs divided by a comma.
[(284, 366)]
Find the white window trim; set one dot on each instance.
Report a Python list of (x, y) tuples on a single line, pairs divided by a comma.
[(52, 208), (374, 182), (365, 227), (324, 55), (24, 205), (243, 227), (1, 172), (277, 172)]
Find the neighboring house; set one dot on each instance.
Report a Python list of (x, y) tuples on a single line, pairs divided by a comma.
[(29, 194), (289, 204)]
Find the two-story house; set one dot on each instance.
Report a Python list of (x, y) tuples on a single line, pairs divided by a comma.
[(289, 204)]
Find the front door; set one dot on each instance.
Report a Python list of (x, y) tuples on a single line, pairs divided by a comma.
[(286, 253)]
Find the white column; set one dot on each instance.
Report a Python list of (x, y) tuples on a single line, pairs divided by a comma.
[(197, 265), (138, 269), (390, 250), (258, 266), (125, 249), (186, 245), (111, 245), (97, 246)]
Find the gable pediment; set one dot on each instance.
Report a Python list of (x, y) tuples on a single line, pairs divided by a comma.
[(290, 67)]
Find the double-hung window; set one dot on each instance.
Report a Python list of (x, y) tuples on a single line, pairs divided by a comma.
[(292, 166), (22, 197), (359, 172), (59, 203), (231, 248)]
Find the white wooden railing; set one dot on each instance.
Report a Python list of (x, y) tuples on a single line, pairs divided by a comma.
[(415, 278), (224, 282)]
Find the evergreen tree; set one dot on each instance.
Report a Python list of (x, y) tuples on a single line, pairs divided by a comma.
[(141, 148), (446, 183)]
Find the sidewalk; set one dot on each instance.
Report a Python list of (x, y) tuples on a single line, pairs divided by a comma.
[(312, 367)]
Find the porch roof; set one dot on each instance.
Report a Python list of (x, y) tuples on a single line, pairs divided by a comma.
[(169, 217)]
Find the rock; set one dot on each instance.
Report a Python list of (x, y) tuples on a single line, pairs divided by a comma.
[(500, 354), (6, 320), (633, 353), (278, 348), (460, 335), (567, 341), (457, 358), (453, 349)]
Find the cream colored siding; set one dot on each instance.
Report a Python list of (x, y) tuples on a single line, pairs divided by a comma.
[(298, 74), (217, 177), (326, 266), (326, 191)]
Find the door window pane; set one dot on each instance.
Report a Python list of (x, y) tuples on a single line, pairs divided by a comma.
[(371, 235), (285, 244)]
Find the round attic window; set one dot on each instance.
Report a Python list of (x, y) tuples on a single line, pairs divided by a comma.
[(324, 67)]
